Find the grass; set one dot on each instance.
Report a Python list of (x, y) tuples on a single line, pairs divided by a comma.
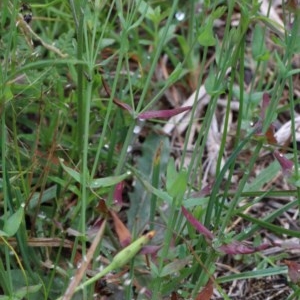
[(102, 196)]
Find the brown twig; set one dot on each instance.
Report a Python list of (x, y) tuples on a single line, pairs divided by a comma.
[(84, 264)]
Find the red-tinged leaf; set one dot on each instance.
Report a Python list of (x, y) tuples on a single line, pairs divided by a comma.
[(118, 194), (205, 191), (167, 113), (148, 294), (149, 249), (269, 135), (265, 104), (121, 230), (233, 248), (239, 248), (196, 224), (206, 292), (115, 100), (123, 105), (293, 271), (286, 165)]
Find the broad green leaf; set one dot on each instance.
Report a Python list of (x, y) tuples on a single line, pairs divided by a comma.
[(47, 195), (12, 224), (105, 42), (2, 233), (219, 12), (282, 68), (170, 34), (24, 291), (145, 7), (174, 266), (210, 84), (155, 15), (265, 176), (140, 197), (8, 95), (206, 37), (177, 74), (185, 47), (259, 50)]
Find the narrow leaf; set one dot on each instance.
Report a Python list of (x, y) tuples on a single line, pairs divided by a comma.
[(167, 113), (108, 181), (171, 174), (259, 50), (286, 165), (74, 174), (239, 248), (265, 103), (118, 194), (123, 105), (178, 188), (196, 224)]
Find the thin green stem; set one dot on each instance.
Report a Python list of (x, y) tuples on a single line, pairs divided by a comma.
[(164, 251), (156, 55), (155, 184), (295, 37), (78, 15)]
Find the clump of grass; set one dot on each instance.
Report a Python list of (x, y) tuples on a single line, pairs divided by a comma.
[(128, 154)]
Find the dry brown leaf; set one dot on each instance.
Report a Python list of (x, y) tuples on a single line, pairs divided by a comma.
[(121, 230), (206, 292), (293, 271)]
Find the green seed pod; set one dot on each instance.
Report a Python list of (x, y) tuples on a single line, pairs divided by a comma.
[(121, 259)]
